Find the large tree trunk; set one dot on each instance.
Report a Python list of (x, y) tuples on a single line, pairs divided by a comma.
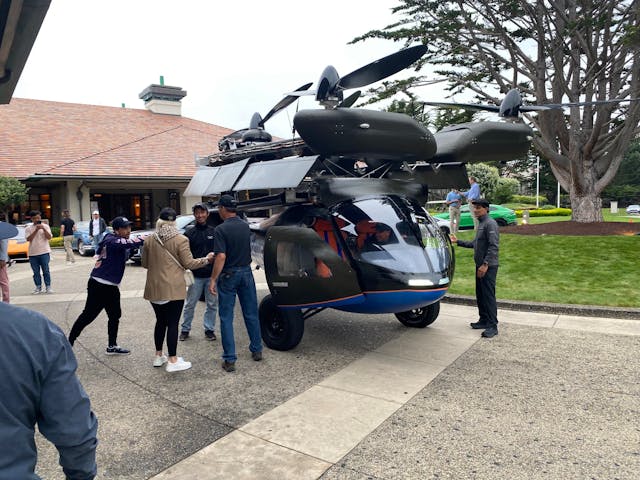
[(586, 208)]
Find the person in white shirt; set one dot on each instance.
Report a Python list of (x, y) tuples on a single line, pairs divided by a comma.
[(97, 227), (38, 235)]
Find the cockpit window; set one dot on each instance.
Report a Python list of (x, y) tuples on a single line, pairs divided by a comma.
[(393, 234)]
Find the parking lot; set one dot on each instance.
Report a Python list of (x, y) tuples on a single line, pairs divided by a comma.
[(552, 396)]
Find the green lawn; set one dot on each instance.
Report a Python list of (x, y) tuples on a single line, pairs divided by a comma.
[(589, 270)]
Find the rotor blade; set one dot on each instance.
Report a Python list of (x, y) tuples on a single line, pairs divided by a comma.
[(284, 103), (383, 67), (472, 106), (350, 100), (553, 106)]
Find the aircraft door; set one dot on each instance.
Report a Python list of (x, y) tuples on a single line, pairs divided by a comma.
[(303, 270)]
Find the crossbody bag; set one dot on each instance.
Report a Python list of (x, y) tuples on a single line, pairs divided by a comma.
[(188, 274)]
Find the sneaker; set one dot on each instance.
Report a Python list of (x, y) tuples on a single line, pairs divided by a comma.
[(210, 335), (159, 360), (478, 325), (116, 350), (229, 366), (48, 290), (178, 366), (69, 263), (184, 336), (490, 332), (257, 356), (37, 291)]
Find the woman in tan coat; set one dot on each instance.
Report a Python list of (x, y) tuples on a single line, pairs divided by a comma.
[(166, 254)]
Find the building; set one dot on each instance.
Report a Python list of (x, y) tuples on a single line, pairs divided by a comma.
[(120, 161)]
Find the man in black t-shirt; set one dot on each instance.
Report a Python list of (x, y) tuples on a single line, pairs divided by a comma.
[(232, 276), (67, 227)]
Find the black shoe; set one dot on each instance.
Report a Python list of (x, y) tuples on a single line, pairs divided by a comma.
[(490, 332), (116, 350), (229, 366), (478, 325), (210, 335), (184, 336), (257, 356)]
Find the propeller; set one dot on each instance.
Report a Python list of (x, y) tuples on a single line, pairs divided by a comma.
[(282, 104), (329, 91), (511, 105)]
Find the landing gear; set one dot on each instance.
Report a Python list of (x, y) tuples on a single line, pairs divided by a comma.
[(419, 317), (281, 329)]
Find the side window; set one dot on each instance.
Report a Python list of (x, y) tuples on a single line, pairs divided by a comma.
[(294, 260)]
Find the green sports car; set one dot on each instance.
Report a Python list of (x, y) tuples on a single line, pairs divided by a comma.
[(502, 215)]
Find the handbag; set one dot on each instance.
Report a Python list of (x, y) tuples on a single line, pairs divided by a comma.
[(188, 274)]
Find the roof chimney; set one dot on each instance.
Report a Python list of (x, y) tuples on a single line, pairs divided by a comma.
[(162, 98)]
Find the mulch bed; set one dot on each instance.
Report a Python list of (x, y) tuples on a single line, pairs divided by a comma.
[(575, 228)]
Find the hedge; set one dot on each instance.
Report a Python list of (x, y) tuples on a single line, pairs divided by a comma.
[(56, 242), (545, 212)]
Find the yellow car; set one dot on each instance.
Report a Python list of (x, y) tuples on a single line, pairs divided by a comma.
[(18, 245)]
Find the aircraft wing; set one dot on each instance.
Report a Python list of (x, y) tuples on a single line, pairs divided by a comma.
[(20, 23), (482, 142)]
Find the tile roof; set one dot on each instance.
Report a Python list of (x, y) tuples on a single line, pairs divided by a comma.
[(54, 138)]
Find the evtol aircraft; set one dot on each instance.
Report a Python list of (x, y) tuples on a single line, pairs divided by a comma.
[(346, 228)]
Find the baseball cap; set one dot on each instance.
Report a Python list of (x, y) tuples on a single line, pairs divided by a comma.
[(227, 201), (7, 230), (481, 201), (96, 212), (120, 222), (168, 213), (200, 206)]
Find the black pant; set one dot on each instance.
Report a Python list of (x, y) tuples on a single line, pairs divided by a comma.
[(486, 297), (167, 320), (99, 296)]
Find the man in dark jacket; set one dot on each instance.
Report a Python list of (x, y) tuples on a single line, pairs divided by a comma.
[(41, 387), (485, 255), (201, 243), (97, 228), (102, 289)]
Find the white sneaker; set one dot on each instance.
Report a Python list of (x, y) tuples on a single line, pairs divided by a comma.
[(37, 291), (48, 290), (181, 364), (159, 360), (69, 263)]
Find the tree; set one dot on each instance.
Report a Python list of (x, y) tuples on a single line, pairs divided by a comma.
[(487, 176), (568, 50), (12, 192)]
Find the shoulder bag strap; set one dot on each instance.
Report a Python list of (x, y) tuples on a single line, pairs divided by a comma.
[(166, 250)]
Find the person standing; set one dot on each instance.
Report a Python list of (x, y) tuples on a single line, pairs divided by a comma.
[(453, 200), (472, 194), (103, 292), (232, 276), (6, 232), (38, 235), (41, 387), (486, 245), (97, 227), (201, 243), (67, 227), (166, 255)]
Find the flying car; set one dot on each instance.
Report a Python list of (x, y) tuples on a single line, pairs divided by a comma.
[(343, 222)]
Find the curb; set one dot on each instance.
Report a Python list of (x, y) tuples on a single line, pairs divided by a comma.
[(557, 308)]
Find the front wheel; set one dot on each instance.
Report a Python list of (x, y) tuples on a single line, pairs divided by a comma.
[(419, 317), (281, 329)]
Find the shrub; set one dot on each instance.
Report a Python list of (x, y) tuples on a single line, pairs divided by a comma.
[(55, 231), (528, 199), (505, 190), (56, 242), (546, 212)]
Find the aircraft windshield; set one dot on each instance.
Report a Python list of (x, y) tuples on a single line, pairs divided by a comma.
[(394, 234)]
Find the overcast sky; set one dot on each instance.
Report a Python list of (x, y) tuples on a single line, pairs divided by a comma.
[(232, 58)]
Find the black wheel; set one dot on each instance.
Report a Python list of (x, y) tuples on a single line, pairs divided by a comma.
[(82, 249), (281, 329), (501, 222), (419, 317)]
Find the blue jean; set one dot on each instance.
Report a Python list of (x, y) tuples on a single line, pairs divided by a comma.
[(96, 241), (38, 262), (193, 295), (238, 281)]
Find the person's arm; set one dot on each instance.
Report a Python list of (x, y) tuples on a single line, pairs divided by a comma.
[(65, 416), (218, 265), (186, 258), (493, 240), (30, 232), (62, 229), (47, 231)]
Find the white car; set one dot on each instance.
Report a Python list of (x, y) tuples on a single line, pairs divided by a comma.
[(444, 224), (633, 209)]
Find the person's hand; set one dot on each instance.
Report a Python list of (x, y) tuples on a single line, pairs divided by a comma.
[(212, 287), (3, 264), (210, 257), (482, 270), (453, 238)]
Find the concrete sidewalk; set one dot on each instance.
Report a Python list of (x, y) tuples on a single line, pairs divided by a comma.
[(361, 397)]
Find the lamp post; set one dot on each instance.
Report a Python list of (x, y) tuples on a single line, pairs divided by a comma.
[(537, 182)]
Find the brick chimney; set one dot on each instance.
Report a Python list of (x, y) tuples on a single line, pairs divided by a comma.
[(163, 99)]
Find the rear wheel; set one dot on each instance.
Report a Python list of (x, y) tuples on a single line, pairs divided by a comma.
[(501, 222), (82, 248), (419, 317), (281, 329)]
